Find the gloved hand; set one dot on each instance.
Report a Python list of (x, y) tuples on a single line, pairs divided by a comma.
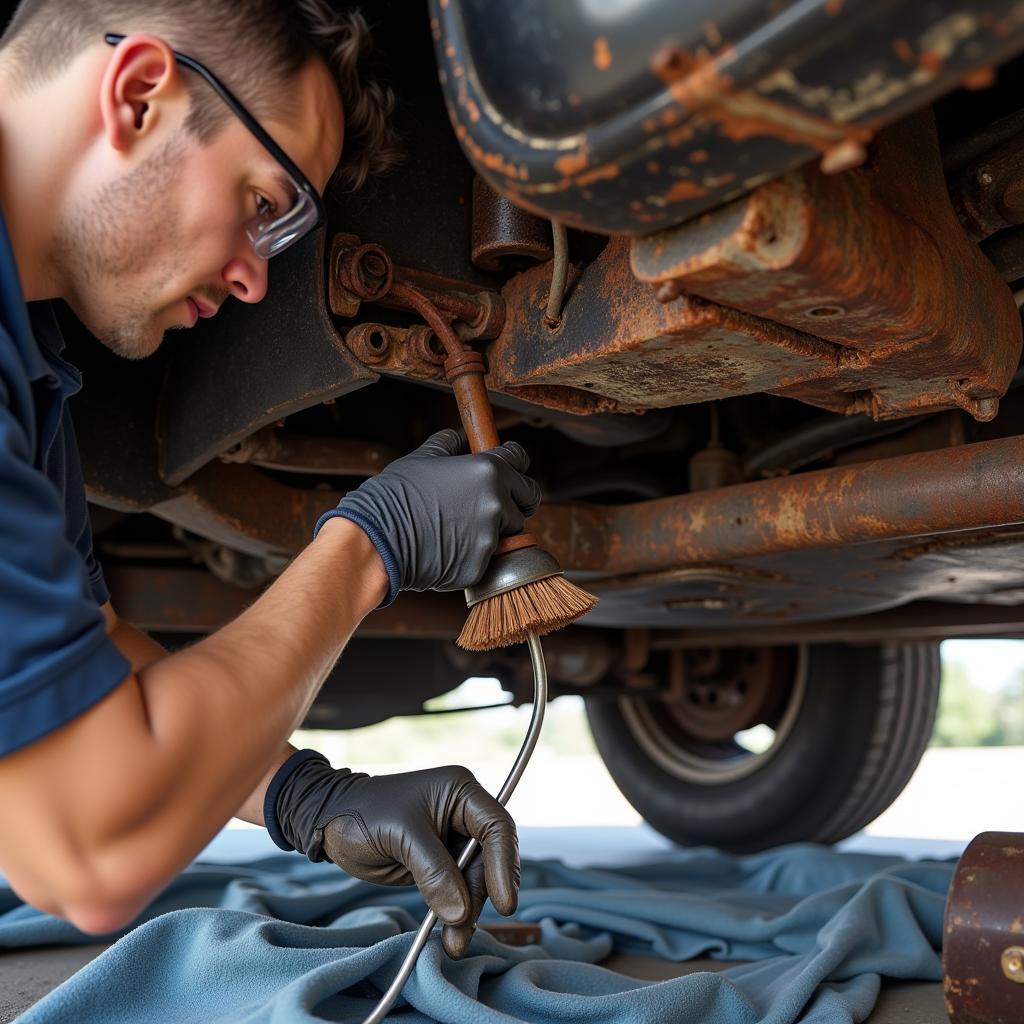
[(401, 829), (436, 515)]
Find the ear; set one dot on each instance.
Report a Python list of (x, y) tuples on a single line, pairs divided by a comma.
[(140, 83)]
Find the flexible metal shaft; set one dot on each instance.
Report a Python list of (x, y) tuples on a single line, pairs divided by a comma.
[(540, 700)]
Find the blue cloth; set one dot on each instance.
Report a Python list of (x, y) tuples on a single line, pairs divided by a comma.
[(296, 942), (55, 657)]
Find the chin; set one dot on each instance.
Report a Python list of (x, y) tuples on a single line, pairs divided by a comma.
[(130, 343)]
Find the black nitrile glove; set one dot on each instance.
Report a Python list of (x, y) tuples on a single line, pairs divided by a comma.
[(437, 514), (399, 830)]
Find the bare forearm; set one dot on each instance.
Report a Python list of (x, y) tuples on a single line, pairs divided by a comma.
[(142, 650), (252, 809), (179, 747), (220, 711)]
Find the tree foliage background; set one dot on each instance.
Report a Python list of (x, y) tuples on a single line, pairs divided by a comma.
[(970, 716)]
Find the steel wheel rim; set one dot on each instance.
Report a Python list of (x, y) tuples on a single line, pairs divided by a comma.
[(687, 765)]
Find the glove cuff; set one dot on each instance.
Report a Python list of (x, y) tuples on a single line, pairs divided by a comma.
[(281, 776), (377, 539)]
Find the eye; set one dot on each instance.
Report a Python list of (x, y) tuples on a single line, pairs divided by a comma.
[(264, 206)]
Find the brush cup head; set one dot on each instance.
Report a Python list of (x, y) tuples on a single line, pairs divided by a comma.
[(509, 571)]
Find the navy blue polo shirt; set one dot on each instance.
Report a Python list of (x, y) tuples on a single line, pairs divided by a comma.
[(56, 659)]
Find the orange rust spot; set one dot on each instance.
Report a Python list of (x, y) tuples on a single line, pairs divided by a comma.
[(449, 51), (649, 125), (833, 7), (699, 156), (669, 117), (598, 174), (653, 167), (683, 133), (714, 37), (979, 78), (930, 61), (472, 110), (903, 50), (636, 205), (602, 54), (684, 189), (570, 163)]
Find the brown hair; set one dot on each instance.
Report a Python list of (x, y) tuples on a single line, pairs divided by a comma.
[(253, 46)]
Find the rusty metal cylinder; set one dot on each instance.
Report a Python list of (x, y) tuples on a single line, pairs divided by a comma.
[(983, 950), (502, 231)]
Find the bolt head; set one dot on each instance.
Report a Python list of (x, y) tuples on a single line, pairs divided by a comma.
[(1012, 962)]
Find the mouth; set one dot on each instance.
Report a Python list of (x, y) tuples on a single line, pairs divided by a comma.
[(199, 309)]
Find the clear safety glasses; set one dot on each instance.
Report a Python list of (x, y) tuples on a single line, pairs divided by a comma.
[(270, 231)]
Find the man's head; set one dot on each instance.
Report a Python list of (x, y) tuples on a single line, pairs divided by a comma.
[(158, 178)]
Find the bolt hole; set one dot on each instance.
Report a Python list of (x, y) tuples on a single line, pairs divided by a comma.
[(824, 312), (739, 520), (589, 384), (376, 341)]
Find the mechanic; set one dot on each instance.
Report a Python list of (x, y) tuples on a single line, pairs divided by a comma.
[(136, 190)]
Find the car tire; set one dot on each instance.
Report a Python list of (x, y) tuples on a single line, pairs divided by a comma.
[(847, 738)]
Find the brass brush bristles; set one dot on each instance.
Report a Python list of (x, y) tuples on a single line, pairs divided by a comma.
[(539, 607)]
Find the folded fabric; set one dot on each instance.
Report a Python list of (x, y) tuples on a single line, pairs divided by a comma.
[(281, 940)]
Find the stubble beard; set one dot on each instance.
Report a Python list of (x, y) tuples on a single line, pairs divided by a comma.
[(106, 247)]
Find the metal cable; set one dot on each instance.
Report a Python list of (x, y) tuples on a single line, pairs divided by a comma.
[(559, 274), (540, 699)]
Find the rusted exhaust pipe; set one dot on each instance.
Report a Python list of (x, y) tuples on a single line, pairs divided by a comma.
[(972, 487)]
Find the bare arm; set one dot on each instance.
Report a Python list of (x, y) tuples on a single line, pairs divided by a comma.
[(142, 650), (112, 805)]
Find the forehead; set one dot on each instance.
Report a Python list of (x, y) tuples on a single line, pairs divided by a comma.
[(312, 134)]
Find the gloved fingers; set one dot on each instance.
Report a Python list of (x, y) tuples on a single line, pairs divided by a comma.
[(526, 494), (436, 874), (444, 442), (456, 938), (513, 454), (493, 828)]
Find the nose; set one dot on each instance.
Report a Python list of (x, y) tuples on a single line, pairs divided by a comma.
[(246, 276)]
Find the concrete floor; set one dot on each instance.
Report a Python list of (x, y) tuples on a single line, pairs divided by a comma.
[(26, 975)]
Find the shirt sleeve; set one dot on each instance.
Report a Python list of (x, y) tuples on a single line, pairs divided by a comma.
[(76, 511), (56, 659)]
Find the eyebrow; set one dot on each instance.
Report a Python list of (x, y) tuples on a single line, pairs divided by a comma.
[(288, 187)]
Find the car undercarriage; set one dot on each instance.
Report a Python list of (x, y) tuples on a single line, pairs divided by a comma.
[(766, 364)]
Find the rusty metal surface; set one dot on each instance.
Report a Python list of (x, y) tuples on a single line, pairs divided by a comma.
[(501, 231), (818, 545), (364, 272), (683, 108), (411, 352), (818, 253), (973, 487), (278, 358), (983, 949), (619, 349), (988, 194), (284, 450)]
